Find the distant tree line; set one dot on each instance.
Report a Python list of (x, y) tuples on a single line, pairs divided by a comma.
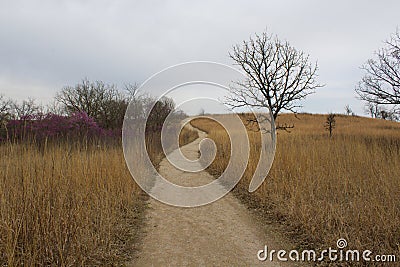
[(92, 109)]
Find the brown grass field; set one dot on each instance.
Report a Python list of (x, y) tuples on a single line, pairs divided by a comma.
[(321, 189), (70, 204), (66, 206)]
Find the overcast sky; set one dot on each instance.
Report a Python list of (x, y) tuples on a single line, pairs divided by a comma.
[(45, 45)]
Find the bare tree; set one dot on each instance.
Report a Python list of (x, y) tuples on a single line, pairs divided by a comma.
[(5, 107), (86, 96), (330, 123), (55, 107), (348, 110), (139, 102), (5, 114), (159, 112), (103, 102), (381, 83), (278, 75), (201, 112), (132, 91), (25, 108)]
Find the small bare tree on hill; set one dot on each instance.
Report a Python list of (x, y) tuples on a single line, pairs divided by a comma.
[(330, 123), (348, 110)]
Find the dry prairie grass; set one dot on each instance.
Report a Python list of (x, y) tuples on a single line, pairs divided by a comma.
[(187, 136), (70, 204), (324, 189), (66, 206)]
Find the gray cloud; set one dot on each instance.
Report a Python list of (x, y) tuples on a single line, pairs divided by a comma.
[(48, 44)]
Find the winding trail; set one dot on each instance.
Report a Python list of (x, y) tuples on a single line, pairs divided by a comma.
[(223, 233)]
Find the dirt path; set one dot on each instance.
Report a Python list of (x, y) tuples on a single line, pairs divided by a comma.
[(224, 233)]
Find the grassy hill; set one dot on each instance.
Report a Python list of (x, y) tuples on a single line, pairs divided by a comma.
[(345, 125), (322, 189)]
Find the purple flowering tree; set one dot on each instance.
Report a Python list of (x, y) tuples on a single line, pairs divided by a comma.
[(50, 126)]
